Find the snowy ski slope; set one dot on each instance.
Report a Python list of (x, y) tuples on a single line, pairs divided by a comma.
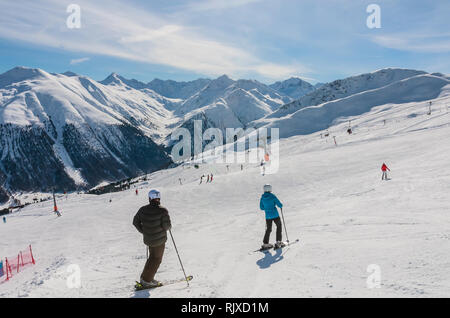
[(335, 202)]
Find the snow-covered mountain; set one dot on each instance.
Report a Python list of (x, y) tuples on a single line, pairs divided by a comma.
[(178, 90), (224, 86), (71, 131), (206, 96), (294, 87), (224, 102), (418, 87), (221, 102), (346, 87), (122, 84), (171, 90), (116, 79)]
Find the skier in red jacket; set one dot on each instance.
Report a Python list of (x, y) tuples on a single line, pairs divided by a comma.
[(384, 168)]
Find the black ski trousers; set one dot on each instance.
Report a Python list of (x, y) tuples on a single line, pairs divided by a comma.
[(277, 222)]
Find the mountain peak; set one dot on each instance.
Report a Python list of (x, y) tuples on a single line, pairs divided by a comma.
[(293, 87), (112, 78), (25, 71), (294, 79), (224, 77), (221, 82), (70, 74), (19, 74), (115, 78), (291, 80)]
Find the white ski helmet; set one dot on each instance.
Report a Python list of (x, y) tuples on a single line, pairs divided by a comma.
[(267, 188), (154, 194)]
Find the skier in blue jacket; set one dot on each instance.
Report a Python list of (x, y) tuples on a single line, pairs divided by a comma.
[(269, 203)]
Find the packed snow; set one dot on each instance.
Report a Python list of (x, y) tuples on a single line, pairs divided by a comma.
[(346, 218)]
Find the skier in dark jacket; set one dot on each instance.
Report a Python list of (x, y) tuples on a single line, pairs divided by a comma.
[(269, 203), (153, 222)]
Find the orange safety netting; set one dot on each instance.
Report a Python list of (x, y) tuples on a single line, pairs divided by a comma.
[(13, 265)]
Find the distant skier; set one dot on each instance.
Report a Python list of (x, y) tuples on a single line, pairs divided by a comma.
[(153, 222), (269, 203), (207, 180), (263, 167), (211, 178), (201, 179), (4, 219), (384, 169), (137, 192)]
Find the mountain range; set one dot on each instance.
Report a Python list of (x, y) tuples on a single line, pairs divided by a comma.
[(67, 131)]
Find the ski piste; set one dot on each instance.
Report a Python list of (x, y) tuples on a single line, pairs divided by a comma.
[(287, 244), (138, 286)]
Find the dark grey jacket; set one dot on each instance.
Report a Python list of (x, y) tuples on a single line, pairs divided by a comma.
[(153, 222)]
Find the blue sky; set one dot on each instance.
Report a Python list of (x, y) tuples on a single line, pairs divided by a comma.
[(317, 40)]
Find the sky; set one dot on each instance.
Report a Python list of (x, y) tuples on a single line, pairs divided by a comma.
[(266, 40)]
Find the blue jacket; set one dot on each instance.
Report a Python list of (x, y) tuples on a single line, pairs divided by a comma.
[(269, 203)]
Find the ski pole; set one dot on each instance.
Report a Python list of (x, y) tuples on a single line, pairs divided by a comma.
[(284, 223), (173, 241)]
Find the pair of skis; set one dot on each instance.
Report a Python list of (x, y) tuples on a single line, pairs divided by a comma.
[(286, 244), (139, 286)]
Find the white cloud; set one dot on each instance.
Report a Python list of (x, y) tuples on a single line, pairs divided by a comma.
[(208, 5), (116, 29), (78, 61), (435, 43)]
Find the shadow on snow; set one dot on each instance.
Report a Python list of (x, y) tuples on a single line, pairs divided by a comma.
[(270, 258)]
